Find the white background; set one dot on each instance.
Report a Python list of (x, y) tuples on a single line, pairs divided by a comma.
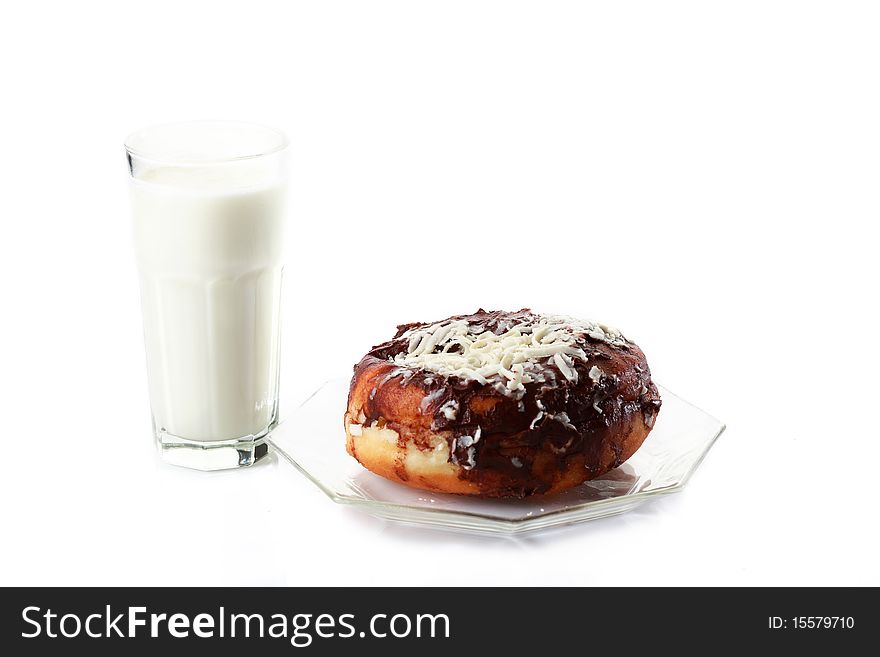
[(703, 175)]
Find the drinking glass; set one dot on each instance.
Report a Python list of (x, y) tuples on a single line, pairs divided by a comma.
[(207, 201)]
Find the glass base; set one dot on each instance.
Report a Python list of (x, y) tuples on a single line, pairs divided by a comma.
[(212, 455)]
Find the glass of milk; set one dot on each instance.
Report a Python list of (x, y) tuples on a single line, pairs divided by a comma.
[(207, 200)]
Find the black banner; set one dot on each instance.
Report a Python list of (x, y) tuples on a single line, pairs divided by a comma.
[(107, 621)]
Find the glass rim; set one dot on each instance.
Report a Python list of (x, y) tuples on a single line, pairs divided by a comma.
[(144, 153)]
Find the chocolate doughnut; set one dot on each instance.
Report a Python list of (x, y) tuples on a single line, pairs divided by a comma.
[(500, 404)]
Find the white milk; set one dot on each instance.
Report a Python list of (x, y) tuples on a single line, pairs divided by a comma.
[(208, 244)]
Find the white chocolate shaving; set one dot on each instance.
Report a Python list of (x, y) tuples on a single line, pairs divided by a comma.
[(563, 419), (512, 357), (429, 399), (537, 419), (565, 367), (467, 443), (450, 409)]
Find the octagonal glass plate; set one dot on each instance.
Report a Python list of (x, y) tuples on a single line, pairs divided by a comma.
[(312, 438)]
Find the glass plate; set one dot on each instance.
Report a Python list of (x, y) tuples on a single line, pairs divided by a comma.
[(312, 438)]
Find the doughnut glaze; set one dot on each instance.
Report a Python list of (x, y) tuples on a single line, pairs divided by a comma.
[(500, 404)]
